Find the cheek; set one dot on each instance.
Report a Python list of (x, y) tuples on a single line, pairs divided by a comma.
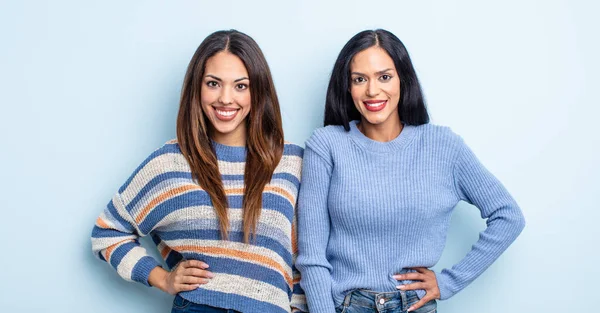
[(355, 93), (395, 88), (244, 100), (393, 91), (207, 96)]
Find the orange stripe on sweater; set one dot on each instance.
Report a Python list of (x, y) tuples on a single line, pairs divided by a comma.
[(165, 251), (101, 223), (280, 190), (161, 198), (242, 255), (179, 190), (110, 249), (294, 244)]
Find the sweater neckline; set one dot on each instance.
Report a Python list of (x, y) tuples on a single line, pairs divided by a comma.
[(402, 140), (229, 153)]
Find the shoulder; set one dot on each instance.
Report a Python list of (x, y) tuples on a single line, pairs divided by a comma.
[(166, 154), (171, 146), (292, 149), (291, 162), (159, 165), (324, 138), (328, 132), (163, 159), (439, 136)]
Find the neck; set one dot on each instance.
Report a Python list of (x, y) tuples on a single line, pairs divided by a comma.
[(383, 132), (236, 138)]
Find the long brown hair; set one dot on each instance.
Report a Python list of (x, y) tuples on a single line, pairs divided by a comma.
[(264, 142)]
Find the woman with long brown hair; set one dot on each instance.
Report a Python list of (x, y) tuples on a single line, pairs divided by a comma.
[(219, 202)]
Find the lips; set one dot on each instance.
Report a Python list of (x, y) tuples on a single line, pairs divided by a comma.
[(225, 114), (375, 105)]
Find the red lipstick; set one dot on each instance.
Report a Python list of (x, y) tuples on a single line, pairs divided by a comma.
[(375, 105)]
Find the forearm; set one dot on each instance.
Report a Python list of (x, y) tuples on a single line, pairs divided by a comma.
[(115, 240), (313, 232), (493, 241), (476, 185), (316, 283)]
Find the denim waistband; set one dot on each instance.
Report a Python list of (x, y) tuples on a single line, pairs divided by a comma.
[(378, 301)]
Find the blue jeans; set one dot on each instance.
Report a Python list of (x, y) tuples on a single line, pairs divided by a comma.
[(367, 301), (181, 305)]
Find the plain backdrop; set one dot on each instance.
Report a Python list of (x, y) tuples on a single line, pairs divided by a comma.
[(89, 89)]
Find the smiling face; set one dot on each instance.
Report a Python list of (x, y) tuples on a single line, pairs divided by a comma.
[(225, 98), (375, 87)]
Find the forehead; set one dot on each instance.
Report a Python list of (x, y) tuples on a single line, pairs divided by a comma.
[(370, 60), (226, 66)]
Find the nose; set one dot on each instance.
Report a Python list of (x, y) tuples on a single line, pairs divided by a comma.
[(225, 97), (372, 89)]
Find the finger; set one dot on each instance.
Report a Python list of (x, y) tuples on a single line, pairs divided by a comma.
[(193, 280), (185, 279), (186, 287), (413, 286), (419, 304), (192, 271), (196, 263), (410, 276)]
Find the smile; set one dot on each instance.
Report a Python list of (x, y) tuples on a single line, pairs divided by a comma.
[(225, 114), (375, 105)]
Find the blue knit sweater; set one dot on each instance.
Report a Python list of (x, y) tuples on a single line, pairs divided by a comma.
[(369, 209), (162, 200)]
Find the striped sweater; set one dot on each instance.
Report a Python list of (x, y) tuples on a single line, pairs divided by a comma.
[(160, 199)]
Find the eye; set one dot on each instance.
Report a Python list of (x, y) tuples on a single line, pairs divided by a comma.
[(241, 86), (212, 84), (358, 80), (385, 77)]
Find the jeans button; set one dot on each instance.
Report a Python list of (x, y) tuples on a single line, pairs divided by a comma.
[(381, 301)]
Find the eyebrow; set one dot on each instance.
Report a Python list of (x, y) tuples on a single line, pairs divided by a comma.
[(218, 79), (379, 72)]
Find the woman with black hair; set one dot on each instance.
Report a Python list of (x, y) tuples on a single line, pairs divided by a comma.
[(379, 184)]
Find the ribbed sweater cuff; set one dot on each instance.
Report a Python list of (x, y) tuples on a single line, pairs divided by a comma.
[(444, 283), (316, 283), (142, 270)]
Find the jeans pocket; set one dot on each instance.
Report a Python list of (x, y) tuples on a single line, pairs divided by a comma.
[(429, 307), (340, 309), (179, 303)]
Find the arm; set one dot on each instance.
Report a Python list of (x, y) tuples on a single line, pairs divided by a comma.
[(115, 240), (298, 302), (505, 221), (313, 231)]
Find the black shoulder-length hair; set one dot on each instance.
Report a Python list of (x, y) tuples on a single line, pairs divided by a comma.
[(339, 107)]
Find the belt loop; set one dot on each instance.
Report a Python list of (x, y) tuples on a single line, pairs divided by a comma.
[(347, 299), (404, 302)]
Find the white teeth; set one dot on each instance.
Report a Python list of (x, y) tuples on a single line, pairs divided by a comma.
[(226, 113), (375, 104)]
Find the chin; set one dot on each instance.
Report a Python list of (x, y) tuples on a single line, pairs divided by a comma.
[(224, 130), (375, 120)]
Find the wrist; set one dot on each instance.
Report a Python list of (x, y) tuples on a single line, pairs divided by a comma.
[(158, 278)]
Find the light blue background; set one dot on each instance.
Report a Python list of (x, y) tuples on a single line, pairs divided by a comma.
[(88, 90)]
